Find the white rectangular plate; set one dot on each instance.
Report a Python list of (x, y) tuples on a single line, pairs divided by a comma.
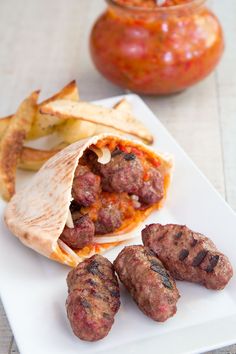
[(33, 288)]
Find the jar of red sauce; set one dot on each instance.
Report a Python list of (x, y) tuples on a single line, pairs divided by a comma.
[(156, 49)]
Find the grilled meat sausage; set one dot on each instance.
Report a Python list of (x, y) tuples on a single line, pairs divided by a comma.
[(93, 299), (86, 186), (81, 235), (124, 173), (152, 190), (188, 255), (149, 283), (109, 219)]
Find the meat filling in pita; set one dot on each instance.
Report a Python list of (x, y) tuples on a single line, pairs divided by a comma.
[(113, 186)]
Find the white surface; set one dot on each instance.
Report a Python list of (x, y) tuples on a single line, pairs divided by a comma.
[(33, 289), (44, 44)]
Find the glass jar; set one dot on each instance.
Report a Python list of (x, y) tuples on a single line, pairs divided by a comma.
[(156, 50)]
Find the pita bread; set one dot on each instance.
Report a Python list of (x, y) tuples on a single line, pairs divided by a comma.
[(38, 213), (121, 120)]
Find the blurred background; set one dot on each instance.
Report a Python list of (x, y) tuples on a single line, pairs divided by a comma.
[(44, 45)]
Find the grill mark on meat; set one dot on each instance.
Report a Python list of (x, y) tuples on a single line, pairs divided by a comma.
[(129, 157), (99, 296), (178, 235), (183, 254), (149, 283), (194, 242), (205, 264), (167, 284), (213, 263), (151, 253), (106, 315), (92, 282), (157, 268), (116, 152), (93, 268), (85, 303), (199, 258), (90, 305), (115, 293), (162, 272)]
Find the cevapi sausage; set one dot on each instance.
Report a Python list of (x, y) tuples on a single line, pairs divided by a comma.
[(188, 255), (149, 283), (93, 299)]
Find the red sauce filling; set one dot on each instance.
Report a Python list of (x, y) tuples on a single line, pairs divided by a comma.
[(123, 201)]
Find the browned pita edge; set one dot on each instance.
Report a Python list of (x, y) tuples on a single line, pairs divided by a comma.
[(38, 213), (122, 120)]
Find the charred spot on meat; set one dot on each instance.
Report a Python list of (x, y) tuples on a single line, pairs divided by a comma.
[(188, 255), (80, 235), (93, 268), (149, 283), (194, 242), (129, 156), (86, 186), (212, 263), (116, 151), (91, 282), (183, 254), (178, 235), (158, 268), (74, 206), (85, 303), (115, 293), (199, 258), (91, 304)]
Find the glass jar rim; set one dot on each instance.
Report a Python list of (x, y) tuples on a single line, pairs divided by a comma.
[(163, 9)]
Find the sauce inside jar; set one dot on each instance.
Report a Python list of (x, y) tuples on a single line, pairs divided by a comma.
[(156, 49), (151, 4)]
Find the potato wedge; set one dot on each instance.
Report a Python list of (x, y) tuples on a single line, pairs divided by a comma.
[(74, 129), (44, 125), (4, 122), (12, 141), (110, 117), (32, 159)]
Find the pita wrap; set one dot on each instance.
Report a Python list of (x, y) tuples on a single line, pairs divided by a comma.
[(38, 213)]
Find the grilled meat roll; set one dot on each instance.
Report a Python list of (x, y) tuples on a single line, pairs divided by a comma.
[(188, 255), (149, 283), (93, 299)]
